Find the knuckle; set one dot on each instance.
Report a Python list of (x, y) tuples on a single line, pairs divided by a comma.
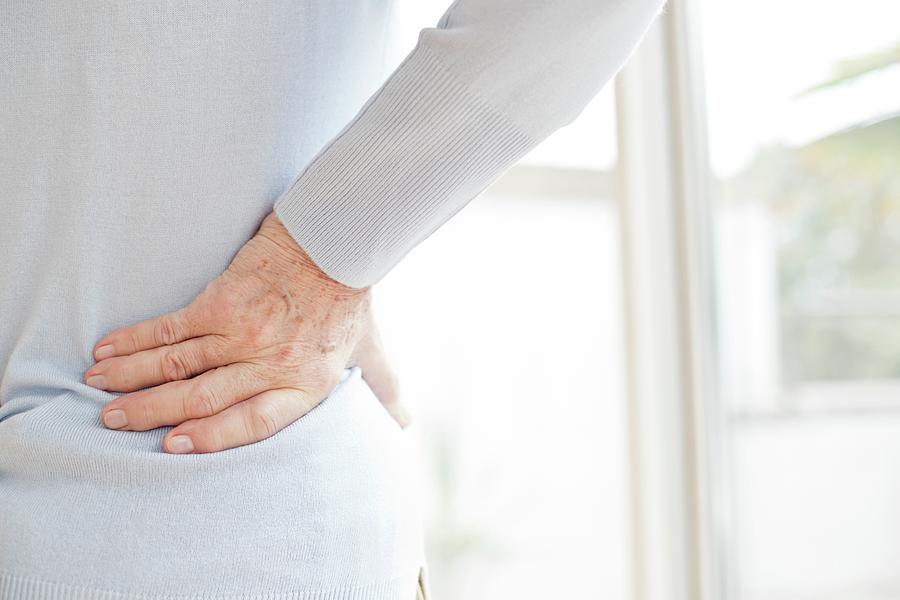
[(212, 352), (164, 331), (135, 341), (262, 421), (214, 439), (203, 402), (175, 366)]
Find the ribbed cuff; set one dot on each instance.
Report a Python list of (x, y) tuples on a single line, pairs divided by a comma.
[(416, 153)]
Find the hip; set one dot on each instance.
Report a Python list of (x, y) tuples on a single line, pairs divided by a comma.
[(329, 502)]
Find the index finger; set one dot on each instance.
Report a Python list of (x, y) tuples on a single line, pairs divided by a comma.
[(163, 330)]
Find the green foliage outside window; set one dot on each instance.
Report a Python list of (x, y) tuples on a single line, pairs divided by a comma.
[(836, 205)]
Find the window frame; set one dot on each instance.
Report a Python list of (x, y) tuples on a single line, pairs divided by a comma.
[(679, 500)]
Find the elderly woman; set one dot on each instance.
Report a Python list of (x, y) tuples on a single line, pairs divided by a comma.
[(193, 398)]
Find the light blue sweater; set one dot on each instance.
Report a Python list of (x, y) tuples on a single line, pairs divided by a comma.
[(142, 144)]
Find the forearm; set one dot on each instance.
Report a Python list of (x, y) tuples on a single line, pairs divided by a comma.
[(490, 82)]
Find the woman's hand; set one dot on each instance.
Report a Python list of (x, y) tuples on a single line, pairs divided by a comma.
[(263, 344)]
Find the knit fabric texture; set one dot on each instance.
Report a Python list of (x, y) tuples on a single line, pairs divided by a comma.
[(142, 145)]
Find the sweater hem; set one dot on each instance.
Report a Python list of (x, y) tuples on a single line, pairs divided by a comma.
[(20, 587)]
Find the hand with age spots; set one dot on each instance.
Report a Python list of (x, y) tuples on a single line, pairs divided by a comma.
[(263, 344)]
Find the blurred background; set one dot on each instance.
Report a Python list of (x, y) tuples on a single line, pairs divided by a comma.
[(676, 374)]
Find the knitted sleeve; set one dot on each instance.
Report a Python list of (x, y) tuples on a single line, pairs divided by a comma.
[(476, 93)]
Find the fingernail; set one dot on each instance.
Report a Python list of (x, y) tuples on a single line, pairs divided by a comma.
[(104, 351), (97, 381), (180, 444), (115, 419)]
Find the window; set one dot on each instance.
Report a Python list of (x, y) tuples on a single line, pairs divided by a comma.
[(517, 387), (732, 431), (803, 104)]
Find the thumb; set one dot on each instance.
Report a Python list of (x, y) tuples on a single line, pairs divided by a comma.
[(378, 374)]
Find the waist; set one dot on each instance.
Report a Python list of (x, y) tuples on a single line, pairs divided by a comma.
[(329, 501)]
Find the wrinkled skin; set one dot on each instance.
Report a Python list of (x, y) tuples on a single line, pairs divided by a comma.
[(263, 344)]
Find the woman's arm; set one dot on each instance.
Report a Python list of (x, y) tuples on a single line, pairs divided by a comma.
[(491, 81), (267, 340)]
